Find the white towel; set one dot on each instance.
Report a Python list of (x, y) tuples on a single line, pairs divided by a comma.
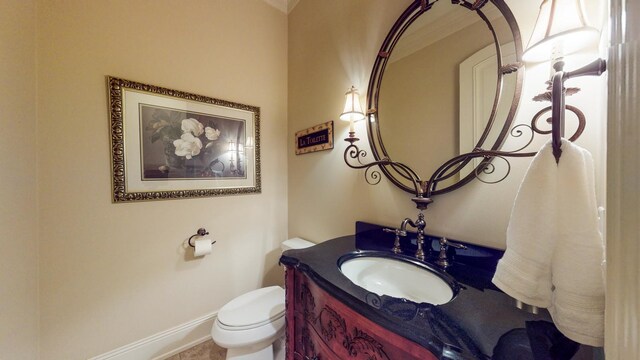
[(554, 249)]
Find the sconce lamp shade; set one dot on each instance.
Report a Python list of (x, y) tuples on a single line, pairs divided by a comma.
[(352, 108), (560, 29)]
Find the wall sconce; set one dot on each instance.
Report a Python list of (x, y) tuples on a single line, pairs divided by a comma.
[(352, 109), (561, 29), (353, 155)]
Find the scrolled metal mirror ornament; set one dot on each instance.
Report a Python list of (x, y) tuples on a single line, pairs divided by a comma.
[(498, 127)]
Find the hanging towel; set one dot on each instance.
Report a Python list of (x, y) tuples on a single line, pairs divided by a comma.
[(524, 272), (577, 302), (554, 249)]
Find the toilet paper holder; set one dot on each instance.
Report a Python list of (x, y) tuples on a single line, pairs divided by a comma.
[(200, 232)]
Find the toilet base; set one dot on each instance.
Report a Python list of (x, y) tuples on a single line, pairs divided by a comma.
[(279, 349), (250, 354), (276, 351)]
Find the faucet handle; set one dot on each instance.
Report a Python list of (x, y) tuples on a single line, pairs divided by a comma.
[(396, 243), (397, 232), (443, 260), (444, 242)]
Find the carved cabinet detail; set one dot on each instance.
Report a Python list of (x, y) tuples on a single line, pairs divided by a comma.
[(320, 327)]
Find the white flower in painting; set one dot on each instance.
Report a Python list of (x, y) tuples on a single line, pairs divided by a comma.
[(192, 126), (211, 133), (188, 145)]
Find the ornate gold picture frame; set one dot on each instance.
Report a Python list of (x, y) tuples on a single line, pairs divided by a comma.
[(170, 144)]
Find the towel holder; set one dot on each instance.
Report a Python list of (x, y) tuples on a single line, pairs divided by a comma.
[(200, 232), (558, 93)]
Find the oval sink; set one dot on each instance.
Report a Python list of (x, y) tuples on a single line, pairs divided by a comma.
[(398, 278)]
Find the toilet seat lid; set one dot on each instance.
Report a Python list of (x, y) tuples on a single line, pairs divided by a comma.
[(254, 308)]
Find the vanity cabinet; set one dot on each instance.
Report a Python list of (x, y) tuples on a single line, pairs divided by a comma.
[(330, 317), (320, 327)]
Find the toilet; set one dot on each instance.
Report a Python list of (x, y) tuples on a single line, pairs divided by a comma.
[(251, 326)]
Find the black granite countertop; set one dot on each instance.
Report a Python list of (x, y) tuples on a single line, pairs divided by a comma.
[(481, 322)]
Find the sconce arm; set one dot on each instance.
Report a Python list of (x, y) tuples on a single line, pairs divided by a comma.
[(352, 152)]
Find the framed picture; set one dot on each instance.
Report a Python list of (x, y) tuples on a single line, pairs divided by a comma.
[(316, 138), (170, 144)]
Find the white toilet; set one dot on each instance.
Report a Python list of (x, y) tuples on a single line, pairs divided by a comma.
[(251, 326)]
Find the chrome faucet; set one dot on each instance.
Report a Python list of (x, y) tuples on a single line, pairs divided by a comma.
[(419, 225)]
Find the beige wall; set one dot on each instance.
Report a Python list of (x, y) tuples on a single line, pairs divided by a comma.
[(18, 179), (332, 45), (112, 274)]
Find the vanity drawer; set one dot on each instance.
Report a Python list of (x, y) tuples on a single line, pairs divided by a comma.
[(308, 344), (330, 329)]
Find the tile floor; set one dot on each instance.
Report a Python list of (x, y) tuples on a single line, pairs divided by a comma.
[(208, 350)]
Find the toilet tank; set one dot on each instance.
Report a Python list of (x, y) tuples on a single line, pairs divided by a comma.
[(295, 243)]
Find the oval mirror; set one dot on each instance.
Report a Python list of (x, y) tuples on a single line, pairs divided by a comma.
[(446, 81)]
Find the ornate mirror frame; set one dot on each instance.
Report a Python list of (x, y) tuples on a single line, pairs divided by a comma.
[(400, 174)]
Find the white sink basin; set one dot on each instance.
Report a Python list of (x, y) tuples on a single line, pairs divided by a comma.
[(397, 278)]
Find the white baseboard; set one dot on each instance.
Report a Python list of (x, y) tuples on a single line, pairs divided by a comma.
[(165, 343)]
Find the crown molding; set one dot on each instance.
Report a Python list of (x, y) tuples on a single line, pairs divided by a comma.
[(285, 6), (291, 4)]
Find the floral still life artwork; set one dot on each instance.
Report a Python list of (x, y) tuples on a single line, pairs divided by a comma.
[(170, 144), (184, 145)]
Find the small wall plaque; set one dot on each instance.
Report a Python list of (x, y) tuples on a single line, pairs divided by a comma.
[(317, 138)]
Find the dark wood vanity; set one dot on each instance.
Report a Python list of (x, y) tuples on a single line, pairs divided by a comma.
[(325, 328), (329, 317)]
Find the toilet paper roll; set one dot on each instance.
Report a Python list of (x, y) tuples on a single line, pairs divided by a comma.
[(202, 247)]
